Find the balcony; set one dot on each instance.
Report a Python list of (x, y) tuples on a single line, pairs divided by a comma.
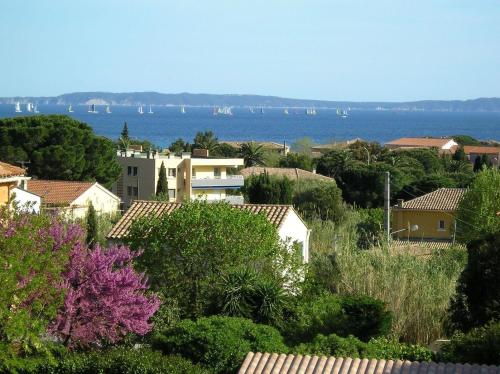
[(229, 182)]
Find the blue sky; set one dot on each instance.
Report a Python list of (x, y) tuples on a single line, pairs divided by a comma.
[(317, 49)]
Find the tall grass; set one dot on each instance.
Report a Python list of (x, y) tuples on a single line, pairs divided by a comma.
[(416, 290)]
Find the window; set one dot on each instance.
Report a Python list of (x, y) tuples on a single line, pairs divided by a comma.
[(129, 190), (441, 226), (132, 170), (171, 172), (136, 191), (217, 172), (171, 193)]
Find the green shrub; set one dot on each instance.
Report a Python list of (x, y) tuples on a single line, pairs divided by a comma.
[(480, 346), (363, 317), (219, 343), (394, 350), (350, 346), (370, 228), (332, 345), (114, 361), (322, 200)]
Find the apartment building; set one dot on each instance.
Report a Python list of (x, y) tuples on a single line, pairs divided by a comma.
[(189, 176)]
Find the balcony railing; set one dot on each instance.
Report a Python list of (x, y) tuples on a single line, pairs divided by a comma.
[(229, 181)]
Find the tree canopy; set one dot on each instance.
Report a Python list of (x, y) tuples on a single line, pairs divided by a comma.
[(58, 147), (477, 213), (189, 251)]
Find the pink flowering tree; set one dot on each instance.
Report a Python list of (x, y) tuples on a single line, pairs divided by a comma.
[(105, 298), (34, 252)]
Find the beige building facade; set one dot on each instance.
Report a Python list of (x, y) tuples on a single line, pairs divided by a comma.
[(188, 177)]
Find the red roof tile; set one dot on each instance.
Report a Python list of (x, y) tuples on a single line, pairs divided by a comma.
[(260, 363), (58, 192), (468, 149), (419, 142), (276, 214), (8, 170)]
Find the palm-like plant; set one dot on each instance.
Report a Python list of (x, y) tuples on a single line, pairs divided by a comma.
[(252, 154)]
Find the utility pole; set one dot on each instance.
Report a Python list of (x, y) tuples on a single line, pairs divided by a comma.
[(387, 206)]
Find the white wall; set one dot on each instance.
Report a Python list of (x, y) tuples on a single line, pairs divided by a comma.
[(294, 229), (103, 201), (26, 201)]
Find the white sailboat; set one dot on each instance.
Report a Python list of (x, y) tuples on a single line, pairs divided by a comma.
[(108, 110), (261, 110), (35, 109), (252, 110), (342, 113), (70, 109), (225, 111), (285, 111), (140, 110), (311, 112), (183, 110), (29, 107), (92, 109), (18, 107), (150, 110)]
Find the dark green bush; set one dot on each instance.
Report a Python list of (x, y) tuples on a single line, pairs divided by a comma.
[(321, 200), (114, 361), (326, 314), (479, 346), (219, 343), (350, 346), (477, 301)]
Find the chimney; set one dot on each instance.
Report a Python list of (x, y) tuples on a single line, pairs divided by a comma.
[(200, 153), (400, 203)]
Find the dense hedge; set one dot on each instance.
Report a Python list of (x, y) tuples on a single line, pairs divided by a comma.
[(380, 348), (327, 314), (115, 361), (480, 345), (219, 343)]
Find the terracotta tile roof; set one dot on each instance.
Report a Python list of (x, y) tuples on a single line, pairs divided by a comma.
[(58, 192), (8, 170), (290, 173), (442, 199), (468, 149), (268, 145), (419, 142), (256, 363), (276, 214)]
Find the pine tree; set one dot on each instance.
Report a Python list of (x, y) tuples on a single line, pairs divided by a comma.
[(162, 185), (92, 233)]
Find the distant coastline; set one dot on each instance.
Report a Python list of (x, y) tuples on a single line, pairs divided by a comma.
[(207, 100)]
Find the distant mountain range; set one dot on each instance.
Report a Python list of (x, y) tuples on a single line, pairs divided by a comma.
[(188, 99)]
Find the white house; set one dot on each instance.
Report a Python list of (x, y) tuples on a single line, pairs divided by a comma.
[(73, 198), (291, 228), (25, 201)]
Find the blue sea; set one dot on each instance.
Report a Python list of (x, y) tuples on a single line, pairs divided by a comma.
[(168, 123)]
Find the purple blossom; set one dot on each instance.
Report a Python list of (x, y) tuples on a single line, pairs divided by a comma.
[(105, 298)]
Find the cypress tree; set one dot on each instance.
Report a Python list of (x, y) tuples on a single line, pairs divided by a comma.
[(92, 234), (124, 133), (478, 164), (162, 185)]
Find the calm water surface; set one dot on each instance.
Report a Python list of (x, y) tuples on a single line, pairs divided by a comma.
[(168, 123)]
